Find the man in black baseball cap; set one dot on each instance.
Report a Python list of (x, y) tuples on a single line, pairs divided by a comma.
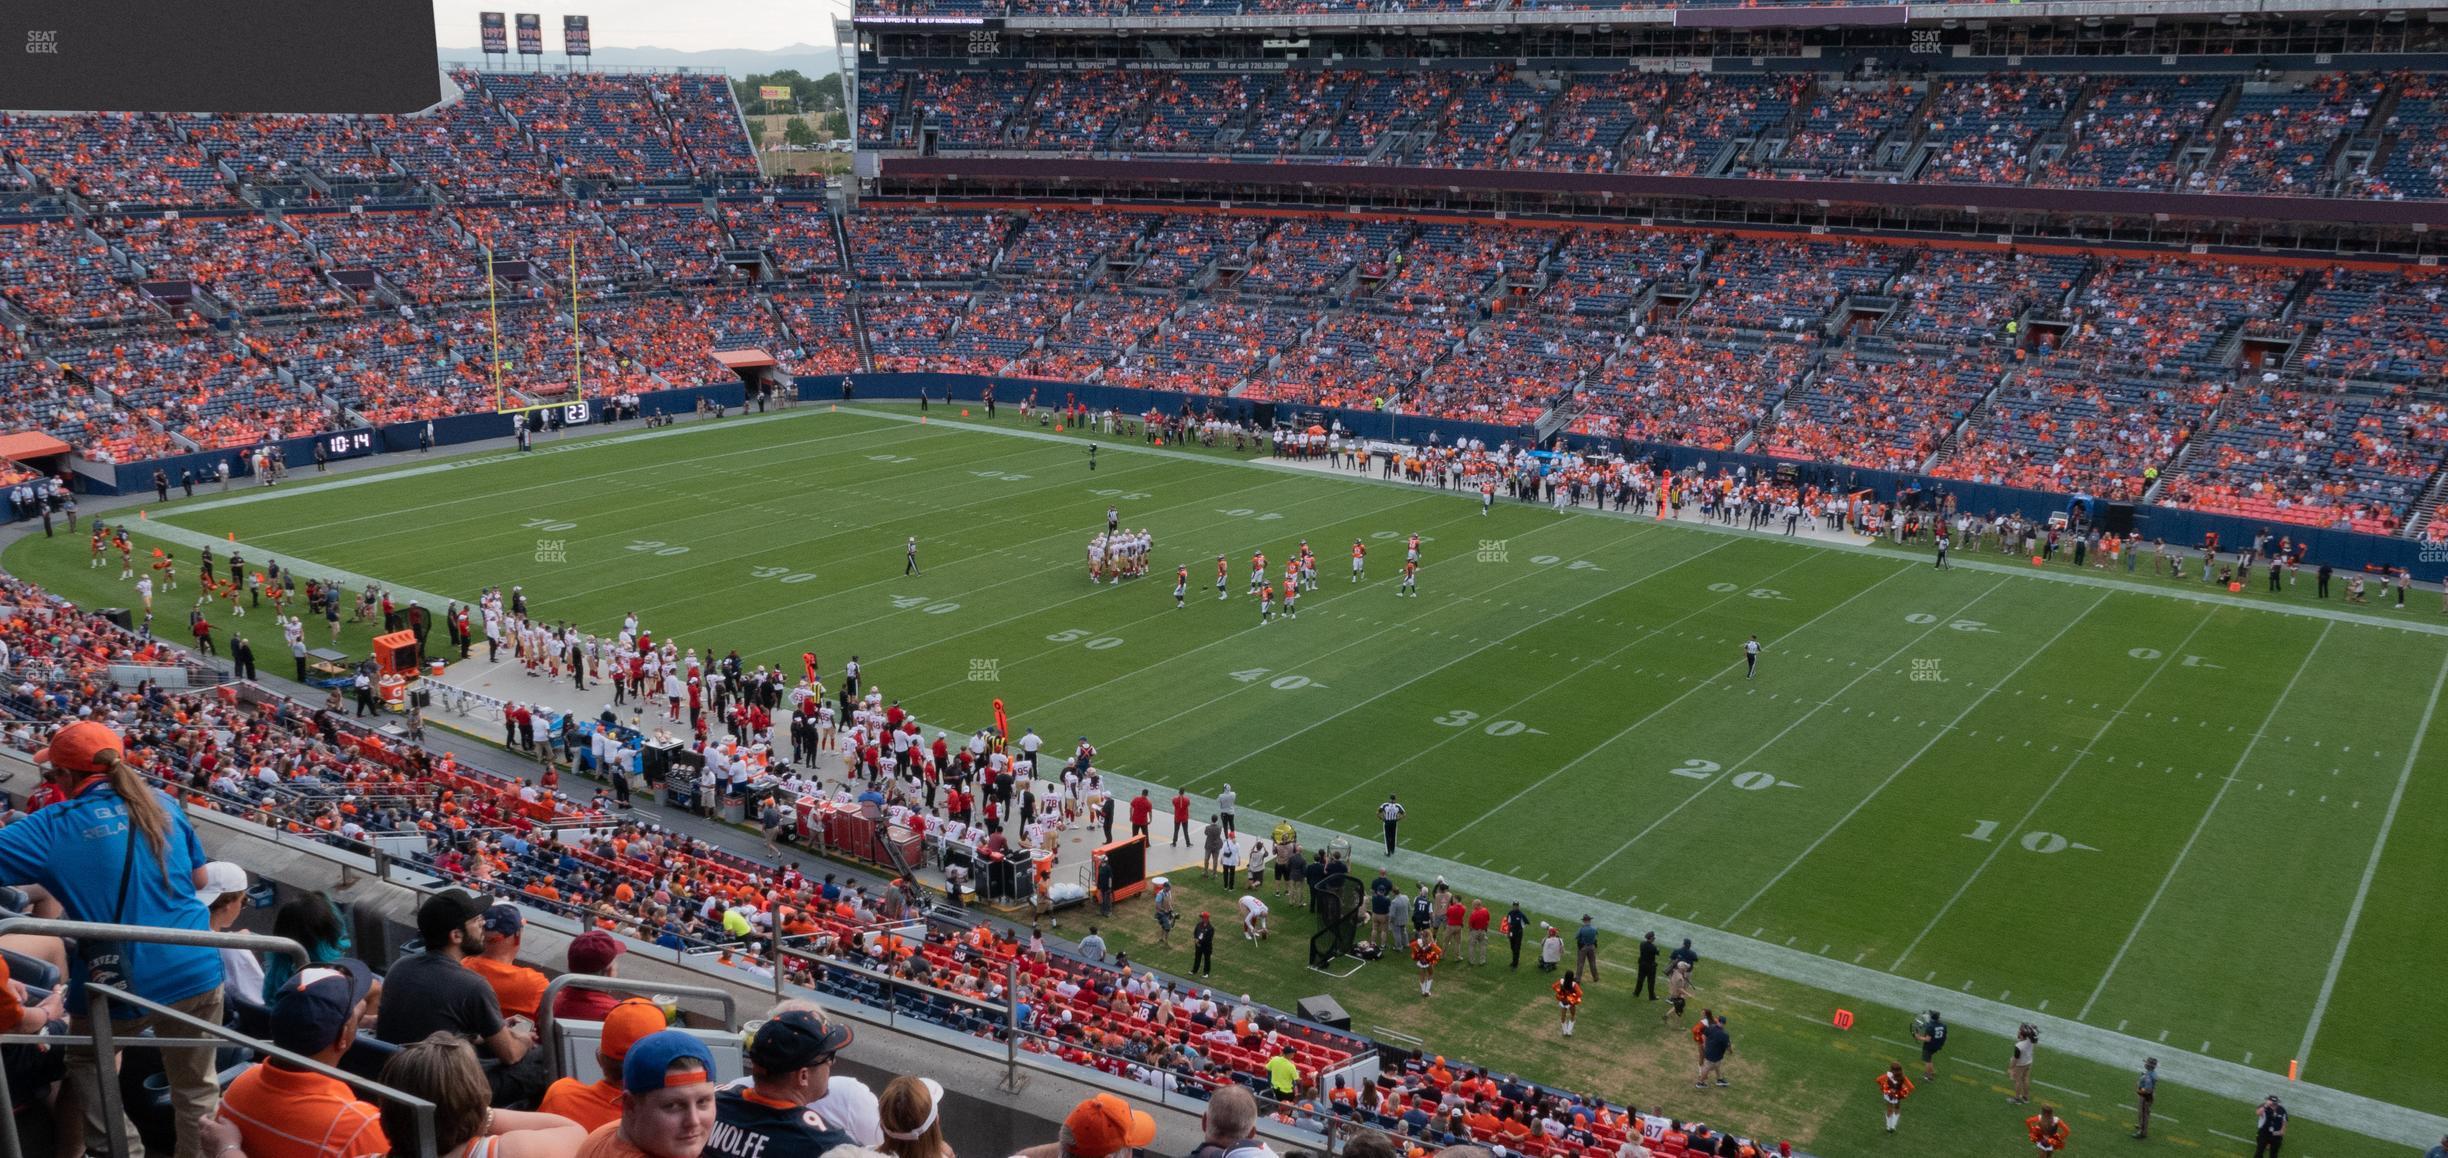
[(766, 1115), (315, 1014), (434, 991)]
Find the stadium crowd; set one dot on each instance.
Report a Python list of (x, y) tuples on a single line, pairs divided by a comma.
[(2109, 373), (468, 991)]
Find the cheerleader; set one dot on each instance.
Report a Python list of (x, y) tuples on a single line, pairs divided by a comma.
[(1568, 999), (1894, 1087)]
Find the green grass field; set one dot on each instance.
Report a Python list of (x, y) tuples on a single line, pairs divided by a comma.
[(2154, 814)]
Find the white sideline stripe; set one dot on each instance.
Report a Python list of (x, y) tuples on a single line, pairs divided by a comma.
[(2358, 1113), (1660, 820), (2006, 836), (1915, 758), (367, 478), (1635, 725), (1840, 543), (2371, 867), (2204, 823)]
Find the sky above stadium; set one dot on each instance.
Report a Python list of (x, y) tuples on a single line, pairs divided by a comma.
[(696, 26)]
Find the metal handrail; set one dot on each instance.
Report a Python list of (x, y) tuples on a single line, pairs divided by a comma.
[(258, 942), (544, 1006), (103, 995), (100, 997)]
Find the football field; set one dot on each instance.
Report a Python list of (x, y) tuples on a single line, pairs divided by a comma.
[(2205, 823)]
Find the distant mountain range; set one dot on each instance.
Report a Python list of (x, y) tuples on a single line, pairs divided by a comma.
[(812, 60)]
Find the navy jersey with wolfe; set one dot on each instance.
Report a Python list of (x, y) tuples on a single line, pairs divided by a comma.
[(747, 1125)]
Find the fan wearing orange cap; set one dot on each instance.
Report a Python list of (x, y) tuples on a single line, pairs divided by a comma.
[(1100, 1127), (593, 1104), (116, 851), (667, 1104)]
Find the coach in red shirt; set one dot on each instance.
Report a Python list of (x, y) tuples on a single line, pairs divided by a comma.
[(1181, 817), (1477, 954), (1142, 811)]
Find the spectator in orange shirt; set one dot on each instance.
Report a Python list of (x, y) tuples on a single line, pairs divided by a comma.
[(282, 1111), (519, 988), (591, 1104)]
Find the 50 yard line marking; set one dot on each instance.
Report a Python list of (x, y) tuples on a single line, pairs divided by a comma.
[(2165, 662), (2354, 912), (1659, 710), (2229, 782), (1915, 758)]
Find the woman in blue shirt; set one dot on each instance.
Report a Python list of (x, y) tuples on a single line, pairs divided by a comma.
[(117, 851)]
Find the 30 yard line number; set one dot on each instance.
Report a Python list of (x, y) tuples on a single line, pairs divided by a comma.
[(1463, 718)]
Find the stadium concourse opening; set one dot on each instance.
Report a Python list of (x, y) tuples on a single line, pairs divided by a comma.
[(759, 374)]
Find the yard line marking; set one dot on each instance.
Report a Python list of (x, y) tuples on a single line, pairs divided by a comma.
[(2230, 1137), (2136, 932), (1915, 758), (1628, 729), (343, 482), (2248, 1057), (1246, 630), (2354, 912), (2165, 662), (2043, 1005), (1151, 616), (1798, 721), (1458, 734), (1092, 593)]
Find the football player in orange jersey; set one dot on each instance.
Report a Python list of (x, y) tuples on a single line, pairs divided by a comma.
[(1359, 558)]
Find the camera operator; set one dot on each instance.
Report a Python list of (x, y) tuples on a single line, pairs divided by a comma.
[(2018, 1068)]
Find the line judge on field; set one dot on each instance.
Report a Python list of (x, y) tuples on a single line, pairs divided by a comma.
[(1391, 812)]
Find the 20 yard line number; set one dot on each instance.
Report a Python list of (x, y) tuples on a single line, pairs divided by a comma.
[(1752, 781)]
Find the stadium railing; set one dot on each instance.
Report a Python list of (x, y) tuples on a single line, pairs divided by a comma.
[(103, 999)]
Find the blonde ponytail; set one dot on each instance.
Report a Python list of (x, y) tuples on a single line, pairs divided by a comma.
[(144, 806)]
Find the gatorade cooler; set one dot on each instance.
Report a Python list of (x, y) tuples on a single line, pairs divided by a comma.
[(392, 688)]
